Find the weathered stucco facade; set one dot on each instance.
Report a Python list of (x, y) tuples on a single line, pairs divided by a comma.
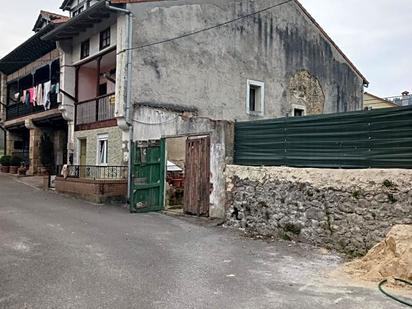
[(281, 47), (156, 123)]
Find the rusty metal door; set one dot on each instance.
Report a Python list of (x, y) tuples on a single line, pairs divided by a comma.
[(197, 176)]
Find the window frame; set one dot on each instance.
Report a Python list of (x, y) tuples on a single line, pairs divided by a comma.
[(82, 44), (102, 138), (299, 107), (105, 41), (259, 104)]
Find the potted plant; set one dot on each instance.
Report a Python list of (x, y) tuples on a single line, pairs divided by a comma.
[(46, 154), (22, 170), (15, 163), (5, 164)]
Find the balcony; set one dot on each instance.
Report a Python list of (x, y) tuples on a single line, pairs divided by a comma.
[(94, 113), (18, 110)]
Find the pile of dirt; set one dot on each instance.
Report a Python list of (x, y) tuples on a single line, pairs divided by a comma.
[(391, 258)]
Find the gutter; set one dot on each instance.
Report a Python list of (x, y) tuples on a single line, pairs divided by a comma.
[(128, 107)]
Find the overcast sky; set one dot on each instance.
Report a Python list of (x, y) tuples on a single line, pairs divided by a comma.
[(375, 34)]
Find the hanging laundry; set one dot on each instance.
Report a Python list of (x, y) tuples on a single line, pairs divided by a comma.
[(17, 96), (57, 88), (46, 95), (26, 97), (23, 97), (39, 93), (32, 96)]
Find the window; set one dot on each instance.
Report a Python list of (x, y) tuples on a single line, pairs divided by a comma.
[(298, 111), (105, 39), (77, 11), (255, 100), (102, 149), (85, 49), (102, 89)]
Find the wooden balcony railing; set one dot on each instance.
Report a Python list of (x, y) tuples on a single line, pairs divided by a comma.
[(95, 110), (18, 110)]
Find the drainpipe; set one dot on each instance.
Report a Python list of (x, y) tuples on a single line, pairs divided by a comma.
[(5, 132), (128, 107)]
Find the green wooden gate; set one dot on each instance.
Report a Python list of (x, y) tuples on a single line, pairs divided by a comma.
[(148, 176)]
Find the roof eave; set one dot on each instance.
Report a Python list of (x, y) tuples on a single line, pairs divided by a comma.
[(351, 64), (57, 34)]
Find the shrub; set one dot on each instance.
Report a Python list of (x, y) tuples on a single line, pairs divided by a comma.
[(15, 161), (5, 160)]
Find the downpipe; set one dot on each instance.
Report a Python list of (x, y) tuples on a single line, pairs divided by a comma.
[(128, 107)]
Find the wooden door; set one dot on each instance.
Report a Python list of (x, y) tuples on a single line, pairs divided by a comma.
[(197, 176), (83, 151), (83, 154)]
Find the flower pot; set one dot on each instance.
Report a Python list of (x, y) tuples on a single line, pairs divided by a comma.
[(43, 171), (22, 171), (13, 169), (4, 169)]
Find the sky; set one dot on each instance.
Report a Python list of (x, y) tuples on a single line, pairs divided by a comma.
[(375, 34)]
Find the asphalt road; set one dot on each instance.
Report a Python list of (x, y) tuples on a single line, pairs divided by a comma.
[(58, 252)]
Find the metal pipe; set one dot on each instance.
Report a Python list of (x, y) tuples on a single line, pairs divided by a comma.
[(128, 108)]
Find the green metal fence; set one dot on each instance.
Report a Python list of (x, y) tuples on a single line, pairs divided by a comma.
[(378, 138)]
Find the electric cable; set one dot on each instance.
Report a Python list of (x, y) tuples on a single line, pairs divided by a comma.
[(392, 296), (206, 29)]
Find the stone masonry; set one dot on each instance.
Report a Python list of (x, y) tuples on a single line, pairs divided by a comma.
[(346, 210)]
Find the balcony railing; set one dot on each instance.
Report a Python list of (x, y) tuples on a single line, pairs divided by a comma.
[(17, 110), (95, 172), (95, 110)]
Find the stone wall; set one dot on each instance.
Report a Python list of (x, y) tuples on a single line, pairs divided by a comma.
[(346, 210), (115, 155)]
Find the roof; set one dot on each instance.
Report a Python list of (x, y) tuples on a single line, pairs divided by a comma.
[(354, 68), (27, 52), (86, 19), (65, 4), (49, 17)]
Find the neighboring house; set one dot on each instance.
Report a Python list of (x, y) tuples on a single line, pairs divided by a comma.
[(34, 66), (371, 101), (186, 69), (88, 42), (405, 99)]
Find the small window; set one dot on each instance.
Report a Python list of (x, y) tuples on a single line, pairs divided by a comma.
[(78, 11), (255, 97), (102, 89), (85, 49), (298, 111), (102, 149), (105, 39)]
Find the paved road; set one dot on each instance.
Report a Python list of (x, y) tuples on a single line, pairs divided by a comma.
[(57, 252)]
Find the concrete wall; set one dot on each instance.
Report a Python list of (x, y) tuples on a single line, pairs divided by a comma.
[(346, 210), (156, 123), (115, 156), (210, 70)]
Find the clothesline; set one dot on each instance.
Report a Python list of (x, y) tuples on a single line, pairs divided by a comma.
[(38, 95)]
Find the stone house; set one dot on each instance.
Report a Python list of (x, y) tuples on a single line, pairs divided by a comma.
[(138, 71), (32, 71)]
